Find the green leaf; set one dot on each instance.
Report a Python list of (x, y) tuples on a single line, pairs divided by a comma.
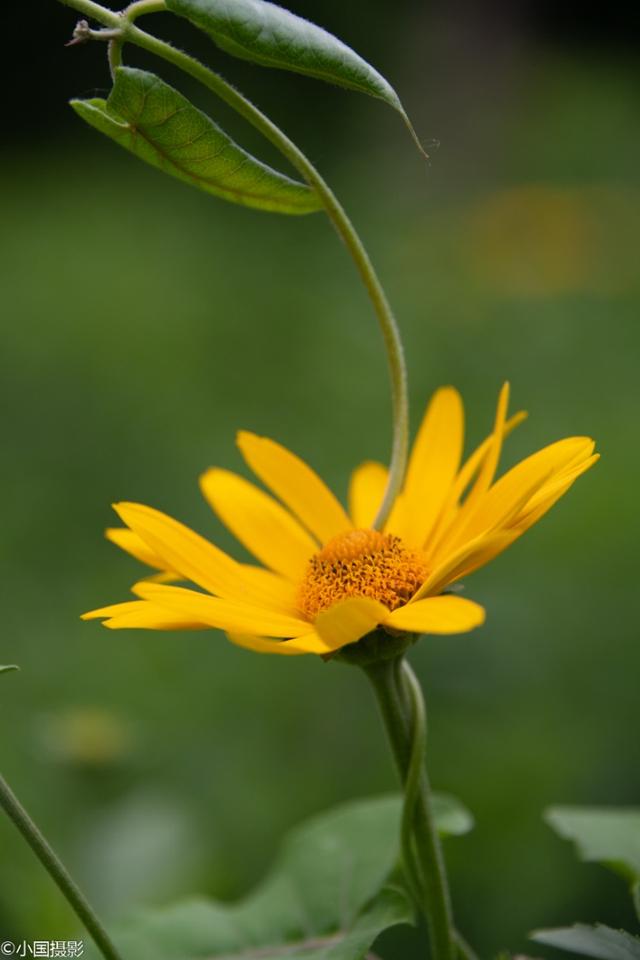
[(598, 941), (608, 835), (267, 34), (8, 667), (159, 125), (326, 898), (452, 817)]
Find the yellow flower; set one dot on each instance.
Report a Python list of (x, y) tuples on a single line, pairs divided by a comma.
[(327, 578)]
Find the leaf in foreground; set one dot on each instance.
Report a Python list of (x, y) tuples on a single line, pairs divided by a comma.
[(8, 667), (327, 896), (271, 36), (608, 835), (597, 941), (157, 124)]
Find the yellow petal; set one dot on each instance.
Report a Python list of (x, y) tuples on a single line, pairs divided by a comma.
[(451, 510), (271, 589), (476, 459), (130, 542), (490, 463), (470, 555), (166, 577), (234, 617), (140, 614), (366, 491), (399, 521), (513, 490), (263, 645), (535, 509), (185, 551), (433, 464), (310, 643), (259, 522), (296, 484), (349, 620), (448, 614), (550, 493), (516, 517)]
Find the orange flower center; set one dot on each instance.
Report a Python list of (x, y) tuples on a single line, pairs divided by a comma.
[(361, 563)]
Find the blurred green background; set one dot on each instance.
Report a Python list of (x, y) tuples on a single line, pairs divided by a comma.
[(144, 323)]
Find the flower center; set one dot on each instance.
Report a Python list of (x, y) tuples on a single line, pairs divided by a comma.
[(361, 563)]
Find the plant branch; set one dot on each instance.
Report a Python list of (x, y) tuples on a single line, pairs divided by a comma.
[(142, 7), (56, 870), (334, 209)]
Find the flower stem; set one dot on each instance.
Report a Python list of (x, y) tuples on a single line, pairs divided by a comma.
[(397, 689), (334, 209), (57, 871)]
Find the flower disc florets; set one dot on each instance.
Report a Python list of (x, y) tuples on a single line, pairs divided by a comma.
[(361, 563)]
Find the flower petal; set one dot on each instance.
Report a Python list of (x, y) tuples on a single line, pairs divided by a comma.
[(188, 553), (234, 617), (309, 643), (141, 614), (473, 463), (264, 645), (347, 621), (366, 492), (536, 507), (461, 561), (133, 544), (550, 493), (259, 522), (524, 480), (448, 614), (490, 463), (270, 588), (451, 509), (433, 464), (296, 484)]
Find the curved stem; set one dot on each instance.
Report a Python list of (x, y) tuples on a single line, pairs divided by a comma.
[(114, 56), (391, 680), (335, 211), (56, 870), (142, 7)]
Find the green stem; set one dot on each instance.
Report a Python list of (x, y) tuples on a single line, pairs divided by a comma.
[(57, 871), (333, 208), (142, 7), (394, 692), (418, 726), (465, 952), (417, 718)]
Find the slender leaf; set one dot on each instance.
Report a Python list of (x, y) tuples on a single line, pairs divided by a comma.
[(159, 125), (598, 941), (608, 835), (271, 36), (8, 667), (326, 898)]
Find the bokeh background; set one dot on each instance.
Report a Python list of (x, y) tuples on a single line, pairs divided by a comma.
[(143, 323)]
